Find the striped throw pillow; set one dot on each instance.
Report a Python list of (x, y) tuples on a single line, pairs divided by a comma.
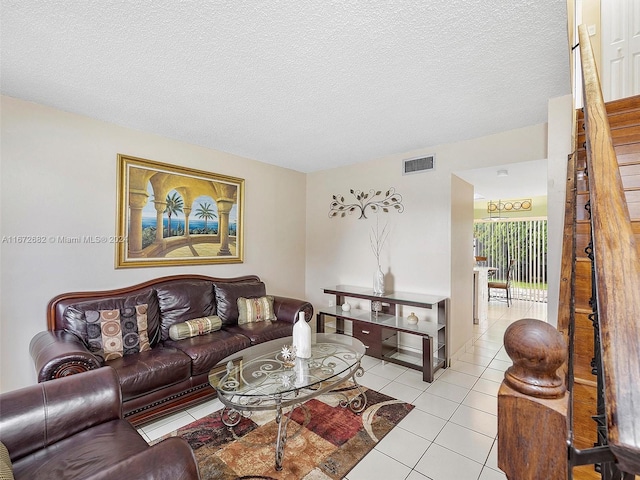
[(255, 309)]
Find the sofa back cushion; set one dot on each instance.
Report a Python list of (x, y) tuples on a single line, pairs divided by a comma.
[(75, 320), (183, 300), (227, 295)]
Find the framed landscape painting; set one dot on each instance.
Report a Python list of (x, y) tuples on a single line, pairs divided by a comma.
[(170, 215)]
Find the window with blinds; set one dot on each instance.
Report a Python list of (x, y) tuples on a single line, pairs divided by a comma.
[(525, 241)]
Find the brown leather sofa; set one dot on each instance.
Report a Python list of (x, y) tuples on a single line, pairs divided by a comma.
[(173, 374), (72, 428)]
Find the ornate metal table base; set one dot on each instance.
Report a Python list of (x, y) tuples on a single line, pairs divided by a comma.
[(260, 378), (232, 416)]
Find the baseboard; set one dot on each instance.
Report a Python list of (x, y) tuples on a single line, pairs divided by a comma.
[(460, 352)]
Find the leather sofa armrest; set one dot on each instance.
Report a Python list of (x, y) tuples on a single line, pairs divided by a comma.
[(39, 415), (171, 459), (59, 353), (287, 309)]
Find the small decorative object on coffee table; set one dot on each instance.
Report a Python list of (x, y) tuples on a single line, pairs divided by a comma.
[(302, 337), (288, 355), (412, 318)]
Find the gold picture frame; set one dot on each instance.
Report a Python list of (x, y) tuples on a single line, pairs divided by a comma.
[(201, 214)]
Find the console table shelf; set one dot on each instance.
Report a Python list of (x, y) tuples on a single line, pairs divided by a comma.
[(381, 332)]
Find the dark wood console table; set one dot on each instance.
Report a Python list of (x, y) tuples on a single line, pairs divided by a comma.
[(380, 331)]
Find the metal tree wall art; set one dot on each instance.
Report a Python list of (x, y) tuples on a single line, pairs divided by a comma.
[(377, 239), (373, 200)]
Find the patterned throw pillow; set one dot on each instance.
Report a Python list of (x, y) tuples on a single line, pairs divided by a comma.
[(227, 295), (196, 326), (255, 309), (6, 469), (114, 333)]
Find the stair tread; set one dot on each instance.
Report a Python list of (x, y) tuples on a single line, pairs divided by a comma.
[(584, 311), (619, 136), (618, 120), (628, 160), (623, 104)]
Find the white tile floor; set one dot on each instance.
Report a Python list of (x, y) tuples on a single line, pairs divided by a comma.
[(451, 434)]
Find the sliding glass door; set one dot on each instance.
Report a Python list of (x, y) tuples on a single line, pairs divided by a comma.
[(524, 241)]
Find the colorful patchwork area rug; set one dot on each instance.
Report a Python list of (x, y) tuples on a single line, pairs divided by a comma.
[(324, 440)]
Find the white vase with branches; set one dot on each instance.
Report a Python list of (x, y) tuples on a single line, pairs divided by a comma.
[(377, 238)]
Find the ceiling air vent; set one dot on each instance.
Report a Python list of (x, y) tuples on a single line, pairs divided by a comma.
[(418, 164)]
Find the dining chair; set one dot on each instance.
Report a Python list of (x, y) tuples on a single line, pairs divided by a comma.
[(504, 285)]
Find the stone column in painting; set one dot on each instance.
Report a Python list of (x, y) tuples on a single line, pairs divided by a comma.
[(137, 201), (187, 212), (224, 208), (160, 208)]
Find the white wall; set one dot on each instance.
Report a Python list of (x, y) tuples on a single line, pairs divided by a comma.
[(560, 146), (462, 262), (59, 178), (418, 254)]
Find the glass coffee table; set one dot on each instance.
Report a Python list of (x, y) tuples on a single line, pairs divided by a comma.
[(262, 378)]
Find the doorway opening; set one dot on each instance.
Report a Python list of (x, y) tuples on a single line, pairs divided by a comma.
[(524, 241)]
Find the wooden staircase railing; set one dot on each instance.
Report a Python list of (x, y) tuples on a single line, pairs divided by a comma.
[(616, 265), (540, 428)]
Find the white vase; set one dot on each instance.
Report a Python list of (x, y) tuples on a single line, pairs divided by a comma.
[(378, 282), (302, 371), (302, 337)]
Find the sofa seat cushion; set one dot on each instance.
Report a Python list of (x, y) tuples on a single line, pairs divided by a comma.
[(82, 454), (145, 372), (259, 332), (206, 351)]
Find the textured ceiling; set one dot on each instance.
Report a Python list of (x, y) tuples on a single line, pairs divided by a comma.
[(304, 84)]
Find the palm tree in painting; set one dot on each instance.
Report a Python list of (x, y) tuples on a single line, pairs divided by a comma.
[(205, 211), (174, 206)]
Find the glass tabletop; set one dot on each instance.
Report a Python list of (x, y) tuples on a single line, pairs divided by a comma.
[(262, 371), (416, 299)]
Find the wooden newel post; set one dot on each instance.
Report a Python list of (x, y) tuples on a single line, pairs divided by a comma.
[(533, 427)]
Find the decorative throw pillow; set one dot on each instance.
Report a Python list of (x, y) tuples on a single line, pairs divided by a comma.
[(255, 309), (114, 333), (196, 326), (75, 320), (227, 295), (6, 469)]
